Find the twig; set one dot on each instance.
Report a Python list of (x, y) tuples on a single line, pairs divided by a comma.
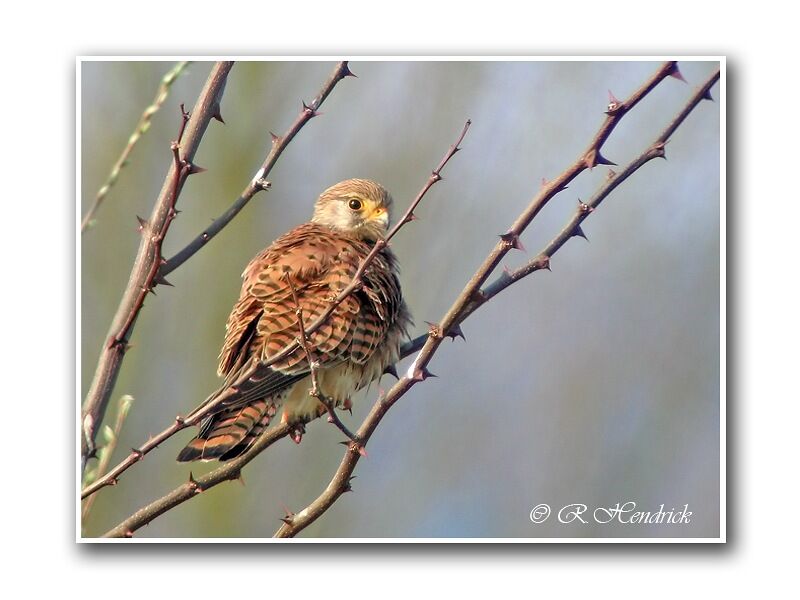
[(313, 365), (259, 182), (143, 276), (584, 209), (104, 454), (340, 483), (141, 128), (229, 471), (205, 409), (179, 495)]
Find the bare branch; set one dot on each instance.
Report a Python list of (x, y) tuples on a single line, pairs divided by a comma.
[(584, 209), (470, 298), (278, 145), (178, 496), (141, 128), (143, 276), (259, 182), (216, 400), (229, 471)]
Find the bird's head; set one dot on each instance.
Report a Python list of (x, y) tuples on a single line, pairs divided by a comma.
[(358, 207)]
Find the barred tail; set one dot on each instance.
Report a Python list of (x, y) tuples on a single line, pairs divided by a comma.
[(229, 433)]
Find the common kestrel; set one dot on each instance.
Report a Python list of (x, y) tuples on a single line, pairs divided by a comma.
[(308, 266)]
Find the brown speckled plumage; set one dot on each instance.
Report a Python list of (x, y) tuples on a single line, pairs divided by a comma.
[(355, 345)]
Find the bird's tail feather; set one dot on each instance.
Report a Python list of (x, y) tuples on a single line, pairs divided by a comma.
[(229, 433)]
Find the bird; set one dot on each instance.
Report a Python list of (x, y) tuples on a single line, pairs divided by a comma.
[(305, 269)]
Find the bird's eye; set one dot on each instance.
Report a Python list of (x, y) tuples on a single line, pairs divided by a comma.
[(354, 204)]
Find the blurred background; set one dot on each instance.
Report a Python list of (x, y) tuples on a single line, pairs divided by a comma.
[(597, 383)]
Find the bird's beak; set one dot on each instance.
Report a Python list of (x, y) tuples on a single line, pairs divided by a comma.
[(381, 216)]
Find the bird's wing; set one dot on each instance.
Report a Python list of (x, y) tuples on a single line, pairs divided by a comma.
[(308, 267)]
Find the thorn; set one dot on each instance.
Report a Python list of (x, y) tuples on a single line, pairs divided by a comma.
[(544, 181), (138, 454), (422, 374), (309, 111), (543, 263), (391, 370), (288, 514), (217, 114), (346, 72), (275, 138), (194, 169), (361, 450), (240, 478), (611, 174), (584, 208), (613, 104), (193, 484), (120, 343), (676, 72), (602, 160), (412, 217), (143, 224), (434, 330), (658, 150), (578, 232), (286, 520), (594, 158), (455, 331), (511, 239), (707, 95), (160, 280)]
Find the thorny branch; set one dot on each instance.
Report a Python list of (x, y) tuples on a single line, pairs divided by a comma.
[(467, 302), (144, 275), (293, 523), (214, 401), (149, 512), (313, 365), (278, 145), (259, 182), (229, 471), (141, 128)]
